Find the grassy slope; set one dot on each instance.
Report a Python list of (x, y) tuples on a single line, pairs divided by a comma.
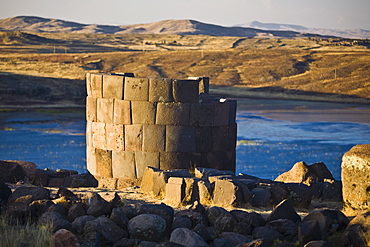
[(300, 68)]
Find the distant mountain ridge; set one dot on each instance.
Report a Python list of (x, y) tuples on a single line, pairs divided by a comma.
[(181, 27), (344, 33)]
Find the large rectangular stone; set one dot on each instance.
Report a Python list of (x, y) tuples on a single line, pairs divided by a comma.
[(89, 141), (113, 86), (105, 110), (123, 164), (186, 91), (145, 159), (175, 191), (220, 138), (221, 114), (104, 182), (154, 181), (133, 137), (154, 137), (143, 112), (203, 84), (91, 160), (173, 113), (205, 192), (136, 89), (203, 139), (230, 161), (98, 135), (96, 85), (202, 114), (232, 111), (160, 90), (229, 193), (122, 112), (180, 138), (104, 163), (215, 160), (88, 84), (91, 109), (177, 160), (231, 144), (115, 137)]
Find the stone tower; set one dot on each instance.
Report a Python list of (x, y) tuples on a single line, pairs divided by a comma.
[(165, 123)]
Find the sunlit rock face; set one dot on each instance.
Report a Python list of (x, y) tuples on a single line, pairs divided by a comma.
[(356, 177)]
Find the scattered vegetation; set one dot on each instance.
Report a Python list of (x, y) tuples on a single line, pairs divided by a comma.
[(307, 65), (29, 234)]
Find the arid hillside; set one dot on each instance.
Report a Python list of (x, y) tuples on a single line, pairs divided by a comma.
[(46, 68), (177, 27)]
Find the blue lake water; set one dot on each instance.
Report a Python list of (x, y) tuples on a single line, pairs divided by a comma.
[(272, 136)]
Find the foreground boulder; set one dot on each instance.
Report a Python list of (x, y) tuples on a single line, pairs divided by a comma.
[(357, 233), (305, 174), (63, 237), (356, 177), (149, 227), (11, 172), (187, 237)]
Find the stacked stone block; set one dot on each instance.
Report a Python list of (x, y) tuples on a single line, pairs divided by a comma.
[(133, 123)]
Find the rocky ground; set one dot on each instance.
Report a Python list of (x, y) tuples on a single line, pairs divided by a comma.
[(92, 216)]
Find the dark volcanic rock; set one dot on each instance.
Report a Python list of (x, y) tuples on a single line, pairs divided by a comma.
[(267, 234), (5, 192), (328, 219), (166, 212), (106, 229), (119, 217), (63, 237), (213, 213), (202, 231), (75, 211), (194, 217), (96, 205), (79, 223), (38, 207), (287, 228), (260, 197), (187, 237), (284, 210), (332, 191), (234, 238), (57, 208), (181, 222), (225, 224), (11, 172), (128, 242), (149, 227), (56, 220), (357, 232), (319, 244), (28, 167), (37, 193), (300, 195), (309, 231)]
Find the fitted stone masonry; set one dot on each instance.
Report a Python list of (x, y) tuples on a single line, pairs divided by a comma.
[(164, 123)]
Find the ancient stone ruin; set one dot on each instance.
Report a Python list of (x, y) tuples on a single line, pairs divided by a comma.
[(164, 123), (356, 178)]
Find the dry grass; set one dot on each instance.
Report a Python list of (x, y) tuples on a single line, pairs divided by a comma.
[(30, 234), (277, 66)]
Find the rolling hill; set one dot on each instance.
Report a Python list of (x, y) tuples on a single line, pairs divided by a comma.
[(344, 33), (180, 27)]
